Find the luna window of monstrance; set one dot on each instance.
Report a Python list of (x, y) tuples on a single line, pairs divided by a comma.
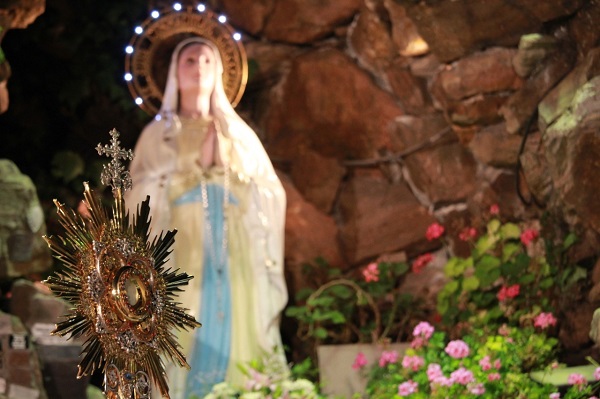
[(122, 295)]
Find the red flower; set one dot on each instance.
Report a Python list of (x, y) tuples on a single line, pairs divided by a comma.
[(420, 263), (528, 236), (508, 292), (371, 272), (467, 233), (494, 209), (435, 230)]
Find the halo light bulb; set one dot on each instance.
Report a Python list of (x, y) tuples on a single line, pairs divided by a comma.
[(201, 8), (129, 50), (177, 6), (128, 77), (139, 30), (222, 19), (155, 14), (139, 101), (237, 36)]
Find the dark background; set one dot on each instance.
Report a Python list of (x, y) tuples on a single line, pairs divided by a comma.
[(67, 92)]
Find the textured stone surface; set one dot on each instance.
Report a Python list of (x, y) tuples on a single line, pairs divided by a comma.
[(22, 249), (443, 24), (300, 21), (353, 123), (379, 217)]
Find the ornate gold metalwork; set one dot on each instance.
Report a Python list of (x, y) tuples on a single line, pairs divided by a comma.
[(148, 63), (121, 292)]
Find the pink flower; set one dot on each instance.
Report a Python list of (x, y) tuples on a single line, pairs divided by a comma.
[(418, 342), (493, 376), (457, 349), (494, 209), (442, 381), (544, 320), (388, 357), (413, 362), (467, 233), (554, 395), (576, 379), (497, 364), (360, 361), (597, 374), (371, 272), (528, 236), (424, 330), (434, 231), (477, 389), (485, 363), (420, 263), (408, 387), (462, 376), (434, 371), (504, 330)]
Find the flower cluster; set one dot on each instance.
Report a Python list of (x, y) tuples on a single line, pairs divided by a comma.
[(475, 366), (507, 277), (267, 378)]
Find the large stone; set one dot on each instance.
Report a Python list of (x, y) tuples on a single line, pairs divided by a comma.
[(356, 121), (486, 72), (455, 28), (439, 170), (404, 32), (300, 22), (309, 234), (370, 42), (572, 146), (378, 217), (493, 146), (410, 90), (318, 178), (249, 15), (533, 50), (521, 107), (20, 369), (560, 98), (22, 248), (583, 27)]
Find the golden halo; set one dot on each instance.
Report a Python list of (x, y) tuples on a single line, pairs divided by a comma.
[(149, 53)]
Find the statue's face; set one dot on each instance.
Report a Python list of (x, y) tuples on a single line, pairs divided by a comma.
[(196, 69)]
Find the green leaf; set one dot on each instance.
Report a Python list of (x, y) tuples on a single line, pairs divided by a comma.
[(493, 226), (471, 283), (336, 317), (341, 291), (546, 283), (323, 300), (295, 311), (487, 278), (451, 287), (509, 231), (570, 239), (487, 263), (320, 333), (457, 266), (527, 279), (510, 248), (484, 244)]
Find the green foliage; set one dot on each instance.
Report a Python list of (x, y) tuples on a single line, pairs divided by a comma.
[(506, 277), (496, 366), (348, 309)]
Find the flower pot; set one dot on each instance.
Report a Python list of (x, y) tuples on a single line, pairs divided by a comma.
[(337, 377)]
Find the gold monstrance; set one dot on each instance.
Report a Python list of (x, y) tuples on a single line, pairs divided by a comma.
[(122, 295)]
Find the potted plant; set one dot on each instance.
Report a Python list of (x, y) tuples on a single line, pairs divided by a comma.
[(344, 314)]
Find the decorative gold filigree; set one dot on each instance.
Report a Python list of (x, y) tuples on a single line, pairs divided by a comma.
[(151, 49), (123, 297)]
